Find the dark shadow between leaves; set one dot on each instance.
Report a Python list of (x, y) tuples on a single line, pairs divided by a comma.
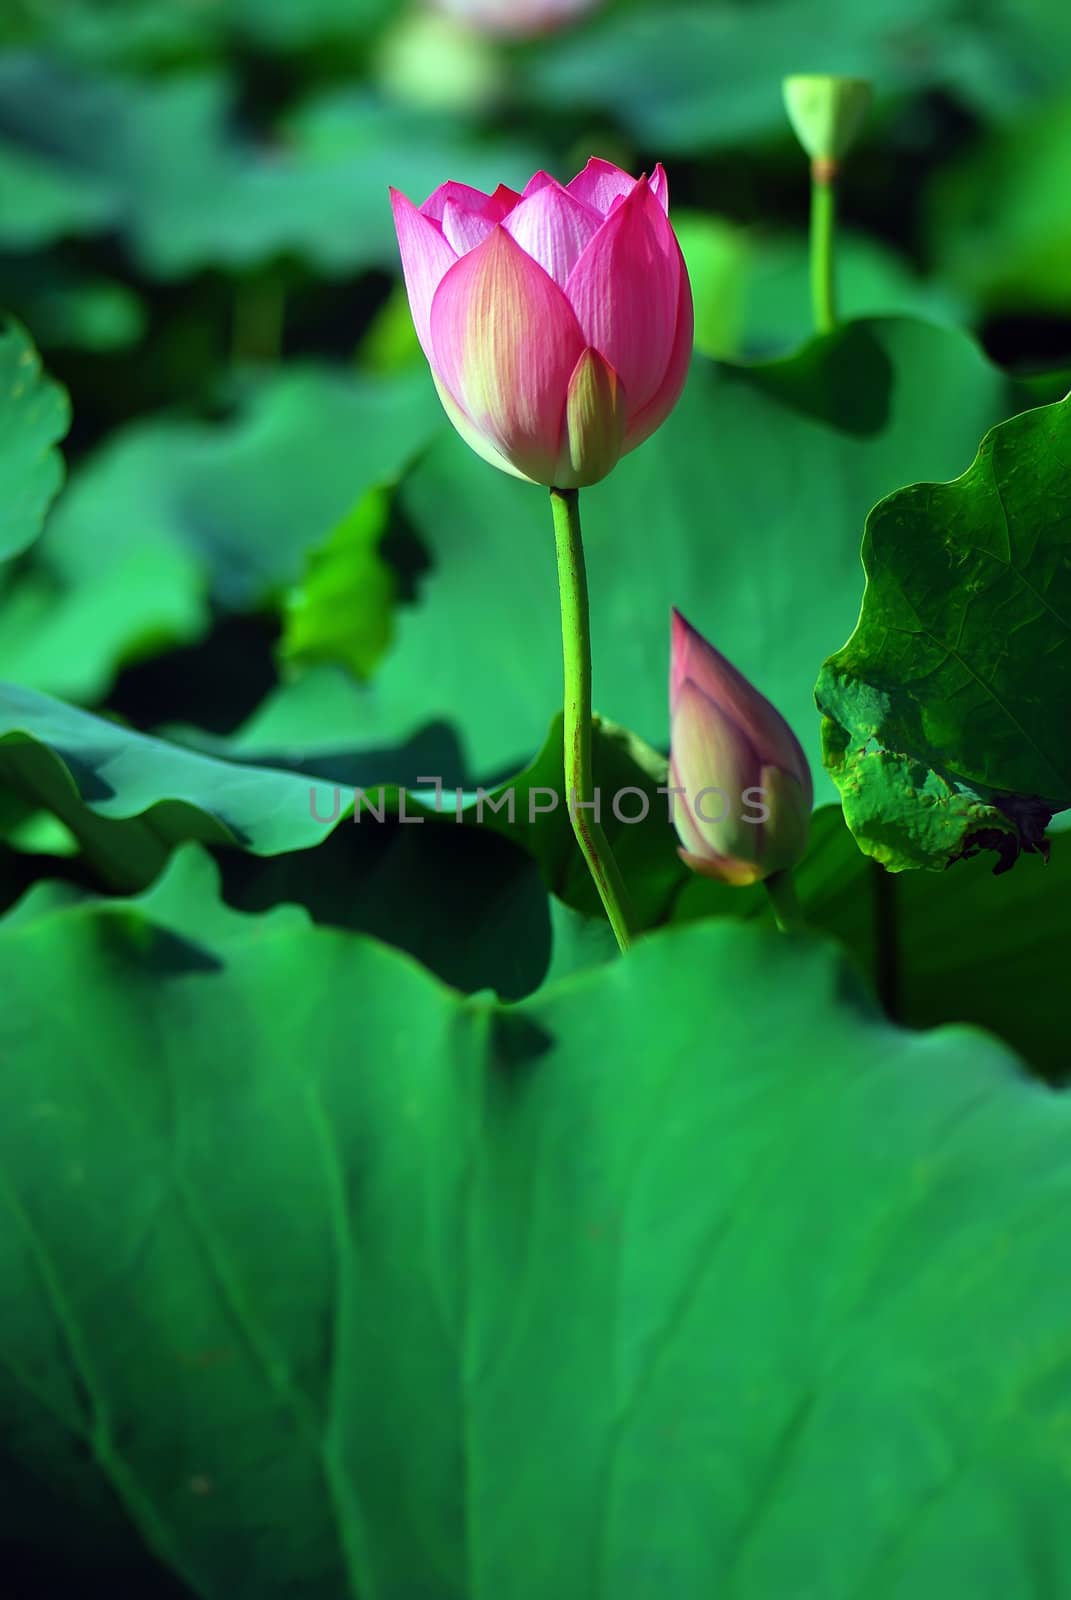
[(844, 379), (517, 1042), (156, 951), (100, 1552), (51, 1572), (402, 548), (32, 769), (432, 752), (20, 870), (86, 774), (215, 684), (466, 903)]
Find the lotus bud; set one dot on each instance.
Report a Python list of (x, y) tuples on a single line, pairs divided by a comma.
[(827, 115), (742, 788), (557, 322)]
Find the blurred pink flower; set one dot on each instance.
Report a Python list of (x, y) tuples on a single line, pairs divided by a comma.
[(744, 812), (558, 323), (520, 18)]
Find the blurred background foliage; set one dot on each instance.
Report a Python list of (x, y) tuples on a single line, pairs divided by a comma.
[(176, 174), (194, 198), (270, 548)]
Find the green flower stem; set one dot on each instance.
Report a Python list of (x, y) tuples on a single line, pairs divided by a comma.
[(823, 233), (579, 781), (788, 913)]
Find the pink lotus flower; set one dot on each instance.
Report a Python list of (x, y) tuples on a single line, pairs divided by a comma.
[(557, 323), (516, 17), (745, 810)]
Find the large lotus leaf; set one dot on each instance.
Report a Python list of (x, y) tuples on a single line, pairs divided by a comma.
[(948, 712), (170, 520), (746, 510), (34, 416), (965, 946), (71, 783), (129, 799), (322, 1280), (490, 923), (42, 202), (188, 194)]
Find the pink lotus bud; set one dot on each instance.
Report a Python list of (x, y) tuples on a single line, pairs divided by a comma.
[(557, 323), (745, 809), (519, 18)]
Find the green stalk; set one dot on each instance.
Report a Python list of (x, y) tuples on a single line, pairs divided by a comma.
[(823, 234), (576, 653), (788, 913)]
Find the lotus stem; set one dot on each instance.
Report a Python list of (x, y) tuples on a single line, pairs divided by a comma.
[(579, 779), (788, 913), (823, 238)]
